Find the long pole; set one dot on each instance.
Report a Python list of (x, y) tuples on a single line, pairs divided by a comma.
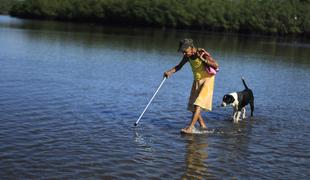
[(162, 82)]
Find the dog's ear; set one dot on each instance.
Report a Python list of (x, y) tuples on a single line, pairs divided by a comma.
[(226, 98), (230, 99)]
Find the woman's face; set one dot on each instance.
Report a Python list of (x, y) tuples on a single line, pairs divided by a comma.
[(188, 52)]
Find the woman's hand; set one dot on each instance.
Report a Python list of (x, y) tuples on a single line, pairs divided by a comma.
[(207, 58), (204, 54), (167, 74)]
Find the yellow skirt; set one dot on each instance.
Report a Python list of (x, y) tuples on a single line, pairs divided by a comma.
[(201, 94)]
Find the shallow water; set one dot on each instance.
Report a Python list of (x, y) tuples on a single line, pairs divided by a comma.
[(70, 94)]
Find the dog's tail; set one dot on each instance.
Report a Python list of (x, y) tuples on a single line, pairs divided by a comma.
[(246, 87)]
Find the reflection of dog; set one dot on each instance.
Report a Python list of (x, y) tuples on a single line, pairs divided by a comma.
[(239, 100)]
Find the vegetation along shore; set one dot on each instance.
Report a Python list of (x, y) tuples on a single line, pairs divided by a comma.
[(281, 17)]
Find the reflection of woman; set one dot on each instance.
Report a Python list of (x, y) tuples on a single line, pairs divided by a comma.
[(202, 88), (195, 156)]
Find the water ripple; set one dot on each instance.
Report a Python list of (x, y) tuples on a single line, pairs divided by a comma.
[(68, 102)]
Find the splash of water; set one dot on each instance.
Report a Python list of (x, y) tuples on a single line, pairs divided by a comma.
[(202, 131)]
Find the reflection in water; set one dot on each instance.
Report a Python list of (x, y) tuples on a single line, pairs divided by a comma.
[(233, 150), (165, 40), (196, 156)]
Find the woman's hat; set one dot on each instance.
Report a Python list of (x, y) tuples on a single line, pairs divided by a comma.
[(184, 44)]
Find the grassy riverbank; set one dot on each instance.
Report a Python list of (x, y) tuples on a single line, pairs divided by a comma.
[(280, 17), (6, 5)]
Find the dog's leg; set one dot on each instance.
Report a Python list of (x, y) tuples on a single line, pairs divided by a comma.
[(243, 113), (235, 113), (252, 107), (237, 116)]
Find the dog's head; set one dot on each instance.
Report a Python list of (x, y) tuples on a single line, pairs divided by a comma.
[(228, 99)]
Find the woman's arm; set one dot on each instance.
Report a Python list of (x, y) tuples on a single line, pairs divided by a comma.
[(208, 59), (212, 62), (176, 68)]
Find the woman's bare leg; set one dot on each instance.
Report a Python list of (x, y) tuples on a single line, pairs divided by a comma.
[(202, 122), (195, 117)]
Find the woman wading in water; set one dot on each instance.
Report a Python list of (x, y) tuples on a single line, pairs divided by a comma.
[(203, 84)]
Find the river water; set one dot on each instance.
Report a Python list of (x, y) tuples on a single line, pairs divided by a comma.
[(70, 94)]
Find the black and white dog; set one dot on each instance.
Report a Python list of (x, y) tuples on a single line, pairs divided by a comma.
[(238, 100)]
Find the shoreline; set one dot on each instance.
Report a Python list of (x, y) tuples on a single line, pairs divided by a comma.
[(231, 33), (241, 17)]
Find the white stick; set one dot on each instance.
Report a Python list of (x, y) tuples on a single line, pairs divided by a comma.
[(150, 101)]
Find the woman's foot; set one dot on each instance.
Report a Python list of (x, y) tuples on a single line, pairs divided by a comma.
[(203, 127), (187, 130)]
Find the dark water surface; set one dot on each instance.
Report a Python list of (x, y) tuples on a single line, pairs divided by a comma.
[(70, 94)]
